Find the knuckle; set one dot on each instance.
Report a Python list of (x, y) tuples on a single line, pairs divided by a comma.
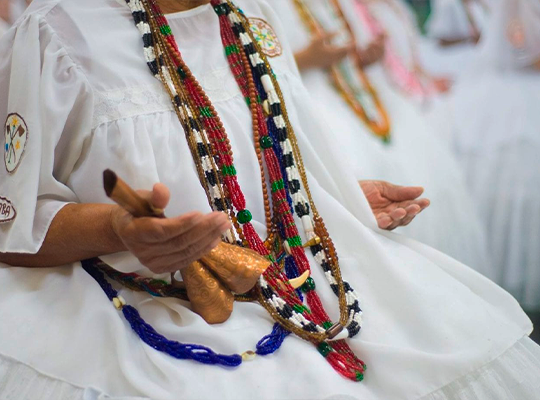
[(156, 232)]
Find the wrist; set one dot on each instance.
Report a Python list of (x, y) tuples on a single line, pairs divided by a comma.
[(115, 216)]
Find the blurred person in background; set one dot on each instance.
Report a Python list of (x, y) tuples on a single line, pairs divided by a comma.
[(496, 137), (455, 26), (364, 106)]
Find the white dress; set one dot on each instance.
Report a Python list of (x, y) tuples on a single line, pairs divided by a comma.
[(4, 26), (414, 157), (496, 138), (434, 329)]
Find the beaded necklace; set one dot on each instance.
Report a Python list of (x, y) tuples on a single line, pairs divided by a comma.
[(276, 143), (348, 76), (412, 80)]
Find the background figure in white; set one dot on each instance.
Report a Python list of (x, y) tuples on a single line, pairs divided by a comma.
[(496, 126), (405, 65), (404, 45), (455, 27), (414, 156)]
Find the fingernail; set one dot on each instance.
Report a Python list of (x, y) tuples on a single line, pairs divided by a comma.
[(385, 224)]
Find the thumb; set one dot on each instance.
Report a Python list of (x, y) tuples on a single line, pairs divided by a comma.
[(401, 193), (159, 195)]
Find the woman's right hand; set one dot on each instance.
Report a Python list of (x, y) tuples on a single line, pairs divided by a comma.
[(168, 244), (321, 54)]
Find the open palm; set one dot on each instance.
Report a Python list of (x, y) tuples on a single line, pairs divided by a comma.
[(393, 205)]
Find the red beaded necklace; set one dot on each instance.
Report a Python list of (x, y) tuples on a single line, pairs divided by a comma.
[(199, 117)]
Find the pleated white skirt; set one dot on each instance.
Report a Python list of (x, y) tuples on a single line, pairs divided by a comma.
[(512, 376)]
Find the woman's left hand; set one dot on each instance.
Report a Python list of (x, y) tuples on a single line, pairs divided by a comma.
[(392, 205)]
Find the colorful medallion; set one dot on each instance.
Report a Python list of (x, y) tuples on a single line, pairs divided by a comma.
[(7, 211), (266, 37), (516, 34), (16, 136)]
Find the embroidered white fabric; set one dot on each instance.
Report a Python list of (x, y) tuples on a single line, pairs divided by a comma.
[(512, 376), (129, 102)]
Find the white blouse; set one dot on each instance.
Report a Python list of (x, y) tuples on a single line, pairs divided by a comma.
[(77, 77)]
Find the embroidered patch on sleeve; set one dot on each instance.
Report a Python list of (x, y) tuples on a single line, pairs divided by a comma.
[(7, 211), (16, 136), (266, 37)]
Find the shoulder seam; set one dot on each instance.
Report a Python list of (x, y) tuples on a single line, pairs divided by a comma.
[(63, 46)]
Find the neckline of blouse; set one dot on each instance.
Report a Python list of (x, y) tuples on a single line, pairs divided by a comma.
[(180, 14)]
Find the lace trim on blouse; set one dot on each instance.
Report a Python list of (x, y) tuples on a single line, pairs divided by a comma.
[(130, 102), (133, 101)]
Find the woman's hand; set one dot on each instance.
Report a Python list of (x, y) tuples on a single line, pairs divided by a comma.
[(168, 244), (321, 54), (442, 84), (392, 205), (374, 52)]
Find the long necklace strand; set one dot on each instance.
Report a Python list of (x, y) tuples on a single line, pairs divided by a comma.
[(353, 307), (164, 30), (348, 77), (213, 156)]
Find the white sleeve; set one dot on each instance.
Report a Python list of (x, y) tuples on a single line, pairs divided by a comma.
[(448, 20), (46, 104)]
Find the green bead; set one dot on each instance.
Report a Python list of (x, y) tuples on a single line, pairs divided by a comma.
[(266, 142), (308, 286), (386, 139), (295, 241), (327, 325), (244, 216), (165, 30), (232, 49), (324, 348), (359, 377), (205, 111), (228, 170), (299, 308), (278, 185)]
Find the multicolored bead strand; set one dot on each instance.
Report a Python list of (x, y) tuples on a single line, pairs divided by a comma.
[(277, 147)]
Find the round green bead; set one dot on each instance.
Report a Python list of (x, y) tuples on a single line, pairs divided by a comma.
[(324, 348), (359, 377), (266, 142), (308, 286), (244, 216)]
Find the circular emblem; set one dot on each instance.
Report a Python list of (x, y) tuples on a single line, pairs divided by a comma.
[(7, 211), (266, 37), (16, 136), (516, 34)]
